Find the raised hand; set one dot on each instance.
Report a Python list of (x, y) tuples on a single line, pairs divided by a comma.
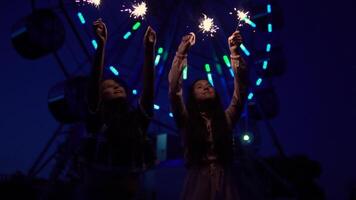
[(100, 31), (186, 43), (234, 41), (150, 37)]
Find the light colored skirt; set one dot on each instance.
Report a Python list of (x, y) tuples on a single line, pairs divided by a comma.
[(210, 182)]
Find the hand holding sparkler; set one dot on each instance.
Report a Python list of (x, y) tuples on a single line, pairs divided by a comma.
[(234, 41), (186, 43), (100, 31), (150, 38)]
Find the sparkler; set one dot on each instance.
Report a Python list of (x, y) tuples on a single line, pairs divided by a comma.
[(207, 26), (96, 3), (138, 10), (243, 16)]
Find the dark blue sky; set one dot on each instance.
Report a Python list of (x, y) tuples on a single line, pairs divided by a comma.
[(317, 93)]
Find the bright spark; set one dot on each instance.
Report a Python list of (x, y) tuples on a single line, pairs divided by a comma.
[(243, 16), (207, 26), (138, 10), (96, 3)]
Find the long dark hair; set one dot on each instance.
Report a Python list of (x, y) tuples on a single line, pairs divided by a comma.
[(125, 136), (197, 133)]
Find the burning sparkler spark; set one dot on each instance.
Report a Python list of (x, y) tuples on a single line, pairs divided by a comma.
[(207, 26), (96, 3), (138, 10), (243, 17)]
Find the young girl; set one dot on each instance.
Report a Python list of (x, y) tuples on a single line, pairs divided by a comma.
[(206, 127), (116, 153)]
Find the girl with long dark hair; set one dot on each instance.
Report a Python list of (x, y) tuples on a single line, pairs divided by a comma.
[(206, 128), (117, 151)]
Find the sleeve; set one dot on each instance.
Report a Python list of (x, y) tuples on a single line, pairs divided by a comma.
[(175, 90), (93, 122), (235, 108), (147, 96), (144, 117)]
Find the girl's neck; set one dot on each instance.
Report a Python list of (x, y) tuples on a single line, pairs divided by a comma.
[(115, 107), (206, 107)]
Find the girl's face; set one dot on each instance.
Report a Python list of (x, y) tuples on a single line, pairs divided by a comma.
[(203, 90), (110, 89)]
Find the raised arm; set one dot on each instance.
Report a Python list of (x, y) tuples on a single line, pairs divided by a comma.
[(147, 96), (235, 108), (97, 69), (175, 79)]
